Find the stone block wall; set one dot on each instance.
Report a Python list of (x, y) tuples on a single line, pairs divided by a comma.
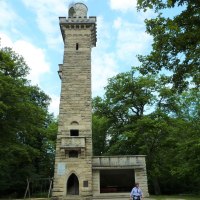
[(75, 111)]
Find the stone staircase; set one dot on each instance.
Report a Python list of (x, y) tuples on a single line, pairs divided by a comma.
[(114, 196), (105, 196), (74, 197)]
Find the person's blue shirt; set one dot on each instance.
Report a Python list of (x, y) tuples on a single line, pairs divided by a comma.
[(136, 191)]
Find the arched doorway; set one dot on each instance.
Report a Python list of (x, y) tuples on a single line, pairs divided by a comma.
[(73, 185)]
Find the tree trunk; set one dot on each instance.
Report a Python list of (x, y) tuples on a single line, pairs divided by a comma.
[(156, 186)]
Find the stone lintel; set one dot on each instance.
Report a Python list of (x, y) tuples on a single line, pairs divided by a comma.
[(118, 167), (118, 162)]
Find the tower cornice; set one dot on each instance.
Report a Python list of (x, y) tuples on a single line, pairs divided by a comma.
[(79, 23)]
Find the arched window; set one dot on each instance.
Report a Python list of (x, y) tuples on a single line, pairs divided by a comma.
[(74, 123), (73, 185)]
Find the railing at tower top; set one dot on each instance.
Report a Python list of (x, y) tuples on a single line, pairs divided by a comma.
[(91, 19)]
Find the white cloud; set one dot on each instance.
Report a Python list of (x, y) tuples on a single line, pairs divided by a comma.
[(47, 13), (131, 41), (117, 23), (103, 34), (130, 5), (9, 19), (104, 62), (104, 66), (35, 57), (5, 41), (54, 105), (123, 5), (116, 47)]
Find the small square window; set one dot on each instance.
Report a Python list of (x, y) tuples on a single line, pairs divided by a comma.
[(74, 132), (85, 183), (73, 154)]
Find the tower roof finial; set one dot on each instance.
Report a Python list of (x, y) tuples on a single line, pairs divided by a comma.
[(77, 10)]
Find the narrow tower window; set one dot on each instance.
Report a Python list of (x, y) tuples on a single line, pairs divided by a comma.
[(74, 132), (77, 46)]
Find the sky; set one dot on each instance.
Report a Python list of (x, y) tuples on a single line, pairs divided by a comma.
[(31, 28)]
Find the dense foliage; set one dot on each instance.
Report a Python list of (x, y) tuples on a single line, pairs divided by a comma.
[(154, 114), (143, 115), (176, 41), (27, 132)]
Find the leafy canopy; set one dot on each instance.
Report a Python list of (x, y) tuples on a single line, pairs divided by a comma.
[(176, 41), (28, 131)]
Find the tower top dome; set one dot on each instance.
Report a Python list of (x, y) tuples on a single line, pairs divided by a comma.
[(78, 10)]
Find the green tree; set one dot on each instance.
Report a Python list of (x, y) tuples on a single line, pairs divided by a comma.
[(129, 98), (176, 41), (146, 116), (26, 137), (100, 126), (176, 50), (188, 129), (126, 99)]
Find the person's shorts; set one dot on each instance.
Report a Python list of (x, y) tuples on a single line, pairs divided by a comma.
[(136, 198)]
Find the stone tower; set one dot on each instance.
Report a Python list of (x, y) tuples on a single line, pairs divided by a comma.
[(73, 162)]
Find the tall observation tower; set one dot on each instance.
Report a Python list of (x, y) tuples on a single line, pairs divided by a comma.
[(73, 162), (78, 174)]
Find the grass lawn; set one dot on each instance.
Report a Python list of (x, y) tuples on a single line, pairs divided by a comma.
[(178, 197)]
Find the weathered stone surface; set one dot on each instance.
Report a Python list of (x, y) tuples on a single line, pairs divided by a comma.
[(75, 107), (76, 171)]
